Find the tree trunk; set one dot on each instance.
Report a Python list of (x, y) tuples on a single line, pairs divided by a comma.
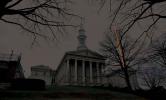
[(127, 79)]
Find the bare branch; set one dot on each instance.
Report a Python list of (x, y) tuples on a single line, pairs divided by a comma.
[(50, 14)]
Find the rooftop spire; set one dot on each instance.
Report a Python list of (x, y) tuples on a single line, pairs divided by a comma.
[(81, 38)]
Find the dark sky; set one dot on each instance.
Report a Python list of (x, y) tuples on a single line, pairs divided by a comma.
[(13, 38)]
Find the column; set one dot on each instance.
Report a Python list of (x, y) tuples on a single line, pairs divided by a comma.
[(91, 74), (68, 72), (98, 74), (75, 71), (102, 73), (83, 72)]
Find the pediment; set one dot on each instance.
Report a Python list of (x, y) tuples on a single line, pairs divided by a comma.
[(87, 53)]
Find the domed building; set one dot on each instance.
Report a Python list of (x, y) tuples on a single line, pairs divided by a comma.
[(82, 67)]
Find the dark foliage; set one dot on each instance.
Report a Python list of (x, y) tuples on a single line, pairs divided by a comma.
[(28, 84), (157, 93)]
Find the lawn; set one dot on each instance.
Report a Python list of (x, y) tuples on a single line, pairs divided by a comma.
[(67, 93)]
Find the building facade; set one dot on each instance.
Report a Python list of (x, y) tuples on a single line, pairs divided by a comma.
[(10, 67), (81, 67), (42, 72)]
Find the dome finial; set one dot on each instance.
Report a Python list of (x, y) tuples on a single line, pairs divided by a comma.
[(81, 37), (82, 23)]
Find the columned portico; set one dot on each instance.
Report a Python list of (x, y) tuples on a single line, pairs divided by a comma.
[(87, 69)]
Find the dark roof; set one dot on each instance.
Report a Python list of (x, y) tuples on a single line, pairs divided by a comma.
[(9, 57)]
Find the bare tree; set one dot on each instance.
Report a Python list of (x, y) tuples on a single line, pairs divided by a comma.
[(153, 72), (129, 13), (158, 53), (121, 52), (37, 16), (152, 77)]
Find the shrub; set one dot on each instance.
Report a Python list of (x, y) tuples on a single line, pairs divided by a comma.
[(28, 84)]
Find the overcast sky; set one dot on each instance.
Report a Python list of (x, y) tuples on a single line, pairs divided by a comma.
[(13, 38)]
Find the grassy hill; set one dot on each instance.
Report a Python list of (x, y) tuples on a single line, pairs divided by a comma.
[(67, 93)]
